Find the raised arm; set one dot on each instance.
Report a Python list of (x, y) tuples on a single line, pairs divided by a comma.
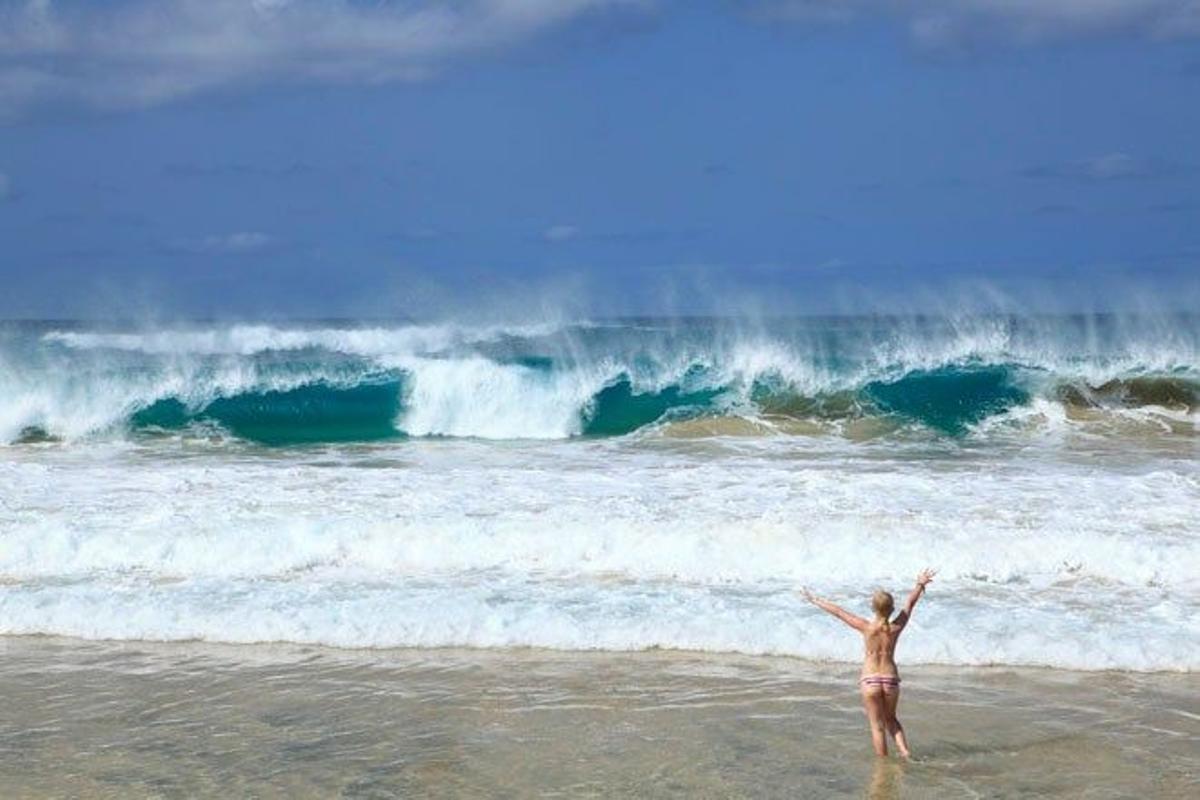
[(854, 621), (922, 581)]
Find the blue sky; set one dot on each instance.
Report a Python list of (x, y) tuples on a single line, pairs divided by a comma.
[(328, 158)]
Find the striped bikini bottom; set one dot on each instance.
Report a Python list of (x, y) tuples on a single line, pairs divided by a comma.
[(888, 682)]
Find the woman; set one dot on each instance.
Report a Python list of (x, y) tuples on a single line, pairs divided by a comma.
[(880, 681)]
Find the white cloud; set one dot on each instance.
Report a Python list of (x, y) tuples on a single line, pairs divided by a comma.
[(239, 243), (1109, 167), (560, 233), (129, 53), (133, 53), (940, 23)]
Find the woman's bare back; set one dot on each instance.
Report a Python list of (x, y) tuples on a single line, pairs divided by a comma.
[(879, 648)]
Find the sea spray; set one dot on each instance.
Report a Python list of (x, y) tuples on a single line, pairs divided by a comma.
[(281, 385)]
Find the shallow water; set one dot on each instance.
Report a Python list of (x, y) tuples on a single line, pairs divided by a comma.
[(188, 720)]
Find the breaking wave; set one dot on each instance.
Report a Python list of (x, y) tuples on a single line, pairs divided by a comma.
[(289, 385)]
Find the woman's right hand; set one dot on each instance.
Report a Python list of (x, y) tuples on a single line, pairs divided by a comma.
[(925, 577)]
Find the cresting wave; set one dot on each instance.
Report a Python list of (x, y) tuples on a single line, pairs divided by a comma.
[(291, 385)]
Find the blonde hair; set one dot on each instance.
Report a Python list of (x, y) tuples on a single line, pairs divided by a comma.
[(883, 604)]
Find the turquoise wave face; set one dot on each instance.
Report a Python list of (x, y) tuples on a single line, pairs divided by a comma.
[(306, 415), (282, 386), (947, 401), (618, 409)]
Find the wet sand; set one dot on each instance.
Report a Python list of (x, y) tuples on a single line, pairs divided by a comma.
[(131, 720)]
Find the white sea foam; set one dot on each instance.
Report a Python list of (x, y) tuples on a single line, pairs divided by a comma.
[(613, 545), (1158, 634), (475, 397)]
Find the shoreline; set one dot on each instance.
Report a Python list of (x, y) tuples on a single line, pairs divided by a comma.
[(141, 719), (532, 651)]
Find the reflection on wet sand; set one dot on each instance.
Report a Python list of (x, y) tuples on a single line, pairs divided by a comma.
[(885, 780), (143, 720)]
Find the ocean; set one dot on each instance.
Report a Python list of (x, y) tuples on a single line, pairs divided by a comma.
[(610, 485)]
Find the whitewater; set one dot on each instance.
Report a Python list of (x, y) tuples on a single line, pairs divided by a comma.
[(609, 484)]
